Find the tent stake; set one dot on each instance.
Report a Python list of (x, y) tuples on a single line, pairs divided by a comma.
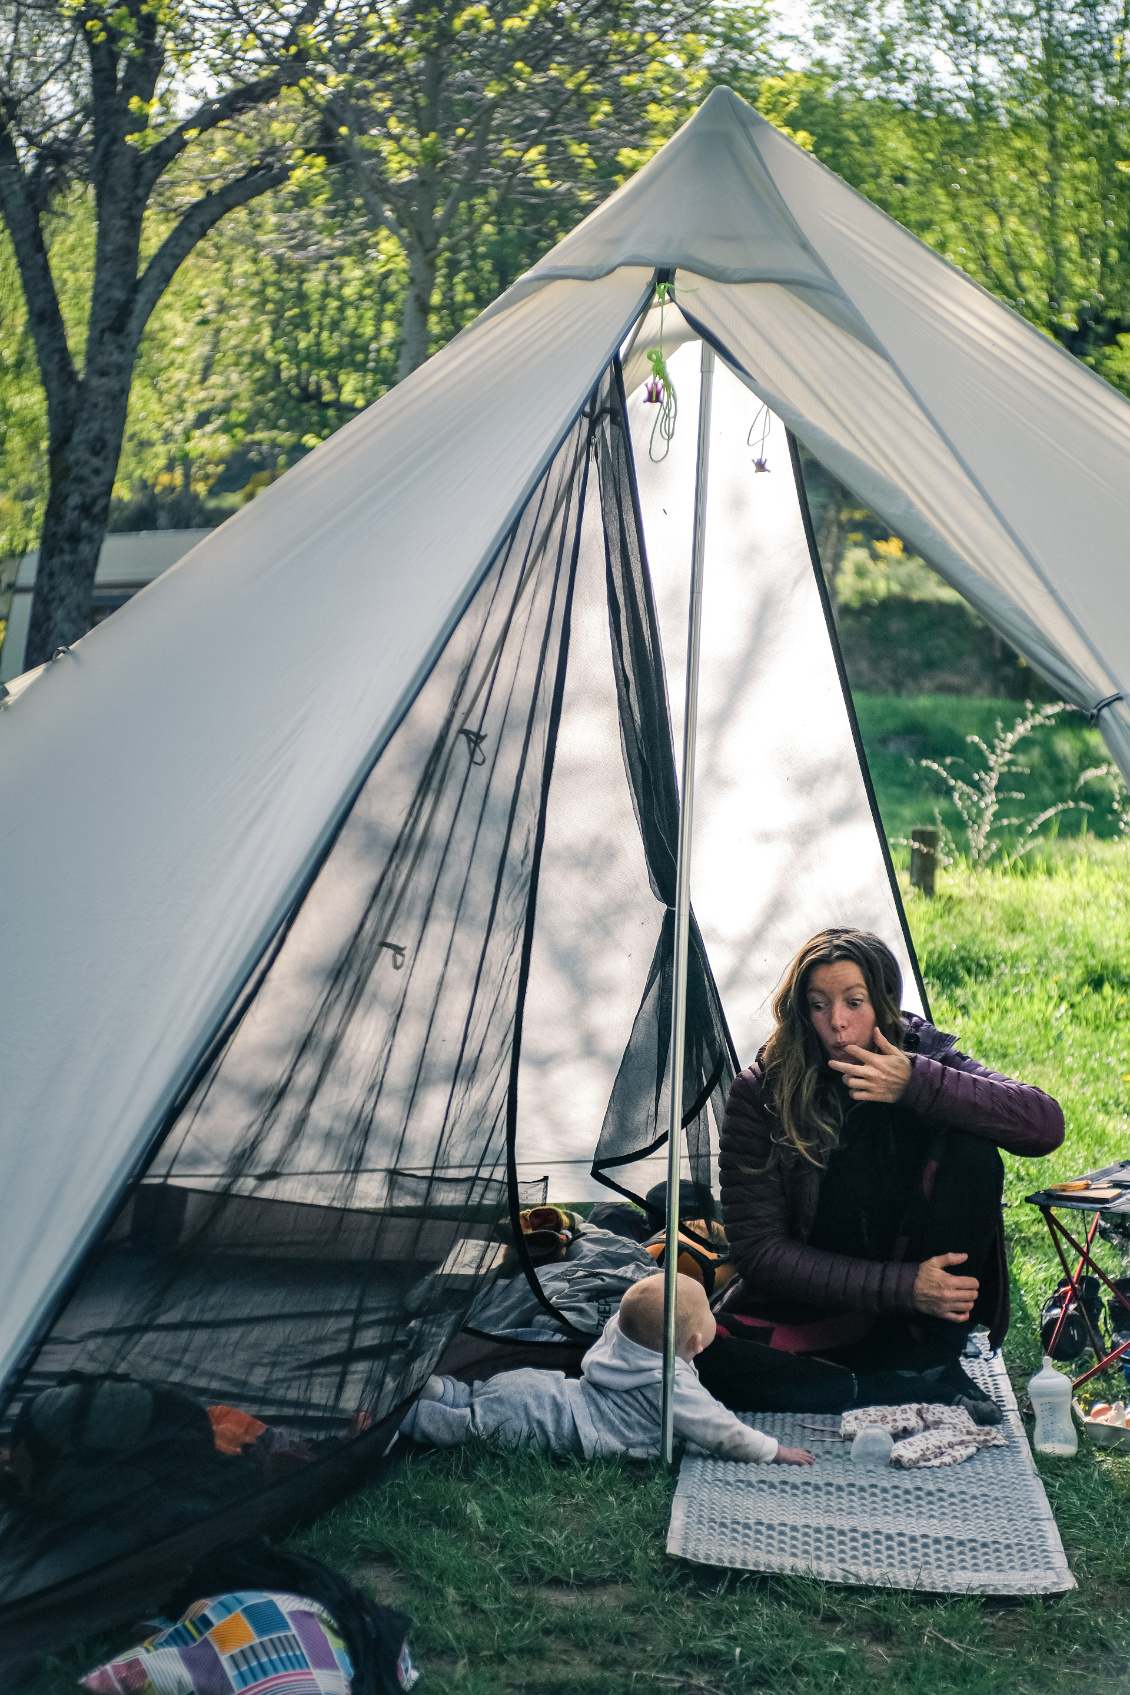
[(683, 909)]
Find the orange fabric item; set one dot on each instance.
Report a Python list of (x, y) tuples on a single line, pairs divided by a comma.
[(233, 1430), (234, 1632), (688, 1266), (693, 1261)]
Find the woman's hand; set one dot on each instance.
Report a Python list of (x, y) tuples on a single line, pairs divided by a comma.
[(793, 1456), (880, 1076), (942, 1296)]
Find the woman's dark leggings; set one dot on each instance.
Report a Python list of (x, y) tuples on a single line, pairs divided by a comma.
[(905, 1357), (749, 1377)]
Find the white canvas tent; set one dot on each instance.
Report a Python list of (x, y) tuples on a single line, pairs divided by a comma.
[(216, 793)]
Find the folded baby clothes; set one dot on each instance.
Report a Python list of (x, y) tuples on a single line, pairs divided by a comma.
[(925, 1435)]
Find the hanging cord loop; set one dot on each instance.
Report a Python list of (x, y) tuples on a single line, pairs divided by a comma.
[(763, 422), (660, 389)]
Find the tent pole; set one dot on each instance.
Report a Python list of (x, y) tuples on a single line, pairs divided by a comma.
[(683, 907)]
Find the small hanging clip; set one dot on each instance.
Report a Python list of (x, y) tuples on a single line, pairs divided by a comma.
[(397, 953)]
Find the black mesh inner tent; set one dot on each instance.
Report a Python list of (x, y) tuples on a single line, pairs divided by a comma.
[(307, 1236), (638, 1114)]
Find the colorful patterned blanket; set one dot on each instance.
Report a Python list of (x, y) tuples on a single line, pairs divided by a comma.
[(254, 1641)]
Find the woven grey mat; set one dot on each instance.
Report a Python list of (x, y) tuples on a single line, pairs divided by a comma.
[(983, 1527)]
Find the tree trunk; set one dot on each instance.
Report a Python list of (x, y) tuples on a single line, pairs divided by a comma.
[(83, 467), (417, 307), (829, 543)]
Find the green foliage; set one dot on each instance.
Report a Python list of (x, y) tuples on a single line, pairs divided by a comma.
[(446, 116), (918, 647), (975, 787), (69, 235), (287, 319), (902, 731), (999, 134), (1106, 781), (884, 571), (273, 334), (22, 417), (270, 339)]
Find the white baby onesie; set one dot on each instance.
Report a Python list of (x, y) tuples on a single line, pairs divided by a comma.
[(613, 1409)]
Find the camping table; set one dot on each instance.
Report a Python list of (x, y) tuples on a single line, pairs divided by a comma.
[(1099, 1200)]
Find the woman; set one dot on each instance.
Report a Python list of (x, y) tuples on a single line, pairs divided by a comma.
[(861, 1187)]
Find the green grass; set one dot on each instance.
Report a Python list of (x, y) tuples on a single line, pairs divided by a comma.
[(1032, 974), (524, 1574), (899, 731)]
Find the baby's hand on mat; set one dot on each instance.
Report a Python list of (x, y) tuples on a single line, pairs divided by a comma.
[(793, 1456)]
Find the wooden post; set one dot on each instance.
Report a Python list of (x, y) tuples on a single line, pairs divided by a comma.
[(923, 857)]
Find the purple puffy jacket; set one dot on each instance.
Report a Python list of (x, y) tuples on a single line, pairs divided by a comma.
[(768, 1213)]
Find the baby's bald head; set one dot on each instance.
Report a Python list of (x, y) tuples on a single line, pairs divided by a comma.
[(641, 1314)]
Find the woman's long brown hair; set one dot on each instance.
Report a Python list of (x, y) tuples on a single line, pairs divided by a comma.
[(806, 1094)]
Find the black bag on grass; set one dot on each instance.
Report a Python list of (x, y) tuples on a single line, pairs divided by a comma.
[(1082, 1320)]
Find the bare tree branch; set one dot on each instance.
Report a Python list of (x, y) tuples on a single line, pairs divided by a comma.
[(225, 107), (237, 101), (201, 217), (45, 319)]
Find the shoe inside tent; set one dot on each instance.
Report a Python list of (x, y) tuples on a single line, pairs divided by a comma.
[(324, 955)]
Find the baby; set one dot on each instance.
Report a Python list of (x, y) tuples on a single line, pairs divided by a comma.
[(615, 1406)]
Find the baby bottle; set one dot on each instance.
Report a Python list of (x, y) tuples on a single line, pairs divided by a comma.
[(1055, 1431)]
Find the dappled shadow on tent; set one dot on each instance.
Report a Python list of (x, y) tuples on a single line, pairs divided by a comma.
[(306, 1238)]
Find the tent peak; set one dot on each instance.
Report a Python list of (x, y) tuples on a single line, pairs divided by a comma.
[(704, 203)]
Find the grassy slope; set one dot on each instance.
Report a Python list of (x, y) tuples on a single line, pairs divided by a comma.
[(521, 1574), (1033, 974)]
